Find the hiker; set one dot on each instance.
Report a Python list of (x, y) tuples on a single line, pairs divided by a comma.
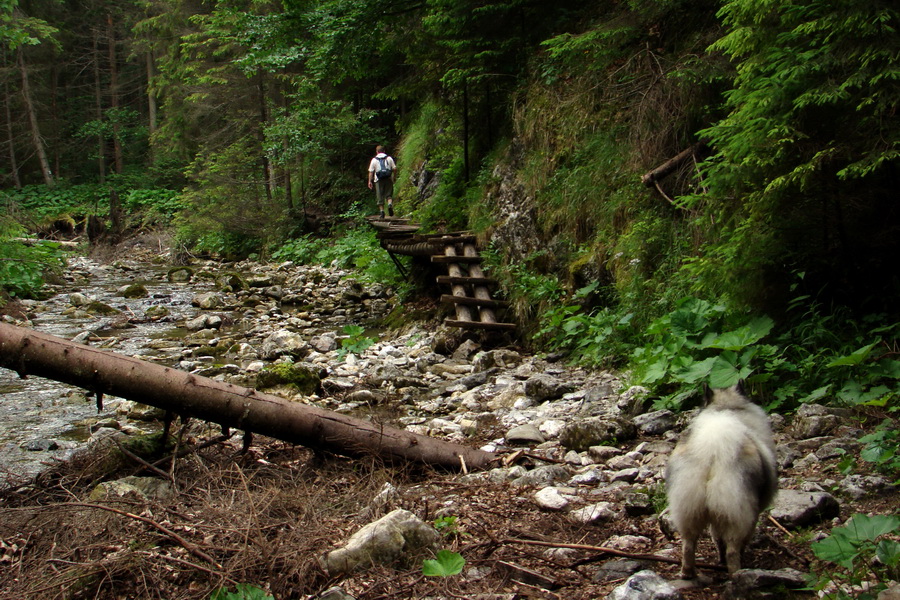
[(382, 174)]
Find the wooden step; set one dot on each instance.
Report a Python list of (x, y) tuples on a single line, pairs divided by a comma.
[(467, 260), (480, 325), (451, 280), (448, 299)]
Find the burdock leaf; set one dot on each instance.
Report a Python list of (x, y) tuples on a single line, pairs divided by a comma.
[(447, 563)]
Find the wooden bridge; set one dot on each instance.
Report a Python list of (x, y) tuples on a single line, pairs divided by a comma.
[(469, 287)]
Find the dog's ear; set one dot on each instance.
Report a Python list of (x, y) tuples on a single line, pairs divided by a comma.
[(707, 394)]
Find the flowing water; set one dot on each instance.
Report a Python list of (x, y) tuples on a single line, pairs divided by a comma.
[(42, 420)]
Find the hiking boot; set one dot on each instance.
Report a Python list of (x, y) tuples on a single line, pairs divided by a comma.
[(390, 210), (382, 214)]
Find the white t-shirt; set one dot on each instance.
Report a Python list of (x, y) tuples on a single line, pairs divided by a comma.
[(374, 164)]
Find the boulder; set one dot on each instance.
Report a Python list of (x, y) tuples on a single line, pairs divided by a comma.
[(795, 509), (397, 535), (645, 585), (596, 431)]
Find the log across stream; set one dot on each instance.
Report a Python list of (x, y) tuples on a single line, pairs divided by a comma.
[(29, 352)]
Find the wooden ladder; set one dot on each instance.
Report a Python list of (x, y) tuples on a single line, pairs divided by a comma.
[(470, 293)]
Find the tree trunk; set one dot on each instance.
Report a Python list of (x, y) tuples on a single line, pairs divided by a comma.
[(667, 167), (33, 353), (151, 95), (114, 97), (33, 121), (116, 216), (13, 165), (263, 119), (465, 107), (98, 108)]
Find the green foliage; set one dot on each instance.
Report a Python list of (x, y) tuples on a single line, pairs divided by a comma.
[(806, 150), (17, 29), (72, 203), (22, 267), (812, 358), (448, 526), (355, 247), (355, 342), (158, 202), (699, 343), (446, 564), (882, 448), (243, 591), (62, 202), (596, 338), (868, 554)]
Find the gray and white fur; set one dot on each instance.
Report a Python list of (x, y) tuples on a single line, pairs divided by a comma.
[(722, 474)]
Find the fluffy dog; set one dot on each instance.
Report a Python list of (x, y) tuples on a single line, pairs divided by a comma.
[(722, 474)]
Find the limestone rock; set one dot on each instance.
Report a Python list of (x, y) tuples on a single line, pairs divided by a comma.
[(524, 434), (208, 301), (794, 508), (581, 435), (543, 386), (645, 585), (398, 534), (656, 422), (747, 581)]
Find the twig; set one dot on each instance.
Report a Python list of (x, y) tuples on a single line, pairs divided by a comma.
[(137, 458), (780, 526), (188, 564), (605, 550), (165, 530)]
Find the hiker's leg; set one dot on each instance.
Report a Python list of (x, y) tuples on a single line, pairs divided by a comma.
[(389, 193), (379, 197)]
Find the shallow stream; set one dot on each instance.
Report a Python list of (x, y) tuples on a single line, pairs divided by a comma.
[(41, 419)]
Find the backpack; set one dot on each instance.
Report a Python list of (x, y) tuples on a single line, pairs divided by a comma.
[(384, 170)]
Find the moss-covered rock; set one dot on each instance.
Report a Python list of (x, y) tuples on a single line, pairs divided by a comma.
[(180, 274), (304, 379), (135, 290), (99, 308), (156, 312), (230, 282)]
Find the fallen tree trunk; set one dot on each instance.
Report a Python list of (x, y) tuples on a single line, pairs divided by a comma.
[(660, 172), (34, 241), (33, 353)]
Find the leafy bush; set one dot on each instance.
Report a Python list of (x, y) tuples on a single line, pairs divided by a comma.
[(354, 248), (882, 448), (22, 267), (598, 338), (815, 358), (699, 343), (157, 201), (868, 554), (46, 205)]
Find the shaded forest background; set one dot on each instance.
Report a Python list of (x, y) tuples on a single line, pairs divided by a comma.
[(769, 251)]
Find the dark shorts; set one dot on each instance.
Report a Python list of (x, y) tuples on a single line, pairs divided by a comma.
[(384, 189)]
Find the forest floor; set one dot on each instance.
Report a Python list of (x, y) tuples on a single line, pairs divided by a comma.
[(265, 516)]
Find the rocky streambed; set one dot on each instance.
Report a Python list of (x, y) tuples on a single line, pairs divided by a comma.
[(583, 454)]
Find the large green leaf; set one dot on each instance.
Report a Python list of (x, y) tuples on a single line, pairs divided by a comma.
[(742, 337), (854, 358), (447, 563)]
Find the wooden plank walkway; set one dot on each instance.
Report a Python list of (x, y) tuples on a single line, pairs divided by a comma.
[(469, 286)]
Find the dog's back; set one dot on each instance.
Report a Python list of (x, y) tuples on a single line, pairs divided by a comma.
[(722, 475)]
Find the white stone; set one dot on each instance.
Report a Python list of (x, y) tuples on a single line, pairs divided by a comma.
[(549, 498)]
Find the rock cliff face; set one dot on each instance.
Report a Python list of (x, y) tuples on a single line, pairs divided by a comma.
[(516, 232)]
